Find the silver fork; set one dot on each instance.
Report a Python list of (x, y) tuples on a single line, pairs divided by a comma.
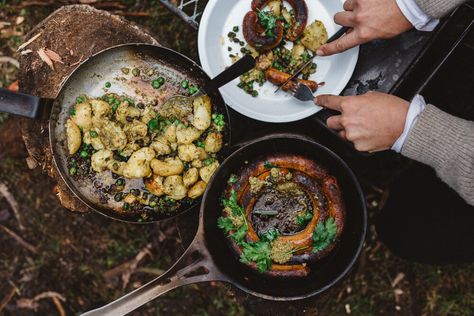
[(302, 92)]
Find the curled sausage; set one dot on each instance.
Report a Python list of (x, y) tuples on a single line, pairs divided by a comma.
[(301, 16), (279, 77), (253, 34)]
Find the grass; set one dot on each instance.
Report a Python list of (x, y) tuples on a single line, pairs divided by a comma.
[(75, 250)]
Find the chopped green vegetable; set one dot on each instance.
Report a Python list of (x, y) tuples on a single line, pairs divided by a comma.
[(93, 134), (114, 107), (258, 252), (84, 154), (80, 100), (324, 234), (193, 89), (108, 84), (208, 161), (268, 21), (233, 179), (200, 144), (72, 171), (72, 111)]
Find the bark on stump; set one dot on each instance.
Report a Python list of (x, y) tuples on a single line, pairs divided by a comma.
[(75, 33)]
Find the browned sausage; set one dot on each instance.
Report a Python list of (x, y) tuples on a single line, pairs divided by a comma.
[(253, 34), (278, 77), (301, 16)]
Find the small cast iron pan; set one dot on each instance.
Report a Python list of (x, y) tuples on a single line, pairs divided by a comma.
[(213, 260), (89, 80)]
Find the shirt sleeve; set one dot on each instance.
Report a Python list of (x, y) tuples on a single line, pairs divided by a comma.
[(420, 20), (417, 106)]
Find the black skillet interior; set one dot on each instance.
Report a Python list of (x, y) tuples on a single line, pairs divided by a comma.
[(324, 273), (89, 79)]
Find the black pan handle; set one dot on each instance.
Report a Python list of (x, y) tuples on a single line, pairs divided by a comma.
[(322, 117), (23, 104), (240, 67), (202, 269)]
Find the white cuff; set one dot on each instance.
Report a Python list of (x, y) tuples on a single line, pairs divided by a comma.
[(416, 16), (417, 106)]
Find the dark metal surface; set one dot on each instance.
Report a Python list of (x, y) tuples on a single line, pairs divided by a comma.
[(212, 259)]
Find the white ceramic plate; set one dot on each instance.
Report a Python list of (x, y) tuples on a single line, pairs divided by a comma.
[(218, 19)]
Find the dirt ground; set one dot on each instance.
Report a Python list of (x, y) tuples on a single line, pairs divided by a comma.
[(54, 262)]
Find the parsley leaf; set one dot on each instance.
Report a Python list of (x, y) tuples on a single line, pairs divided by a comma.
[(225, 223), (233, 179), (269, 165), (268, 21), (270, 234), (232, 203), (239, 235), (324, 234), (258, 252)]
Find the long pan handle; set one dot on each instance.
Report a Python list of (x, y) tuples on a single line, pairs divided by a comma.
[(200, 270), (240, 67), (22, 104)]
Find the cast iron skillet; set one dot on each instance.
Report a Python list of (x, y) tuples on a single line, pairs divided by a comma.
[(213, 260), (89, 79)]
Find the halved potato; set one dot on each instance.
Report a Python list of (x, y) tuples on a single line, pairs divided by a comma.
[(73, 136)]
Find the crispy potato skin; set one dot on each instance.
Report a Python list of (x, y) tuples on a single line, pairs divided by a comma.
[(138, 166), (154, 184), (174, 187), (83, 116), (314, 36), (167, 167), (197, 190)]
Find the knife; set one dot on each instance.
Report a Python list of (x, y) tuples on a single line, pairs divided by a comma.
[(336, 35)]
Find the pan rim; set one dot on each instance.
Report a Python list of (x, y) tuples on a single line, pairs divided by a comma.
[(358, 190), (51, 137)]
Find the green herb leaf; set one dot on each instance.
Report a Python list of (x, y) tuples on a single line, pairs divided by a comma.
[(270, 235), (269, 165), (268, 21), (324, 234), (72, 111), (239, 235), (232, 203), (225, 223), (233, 179), (257, 252)]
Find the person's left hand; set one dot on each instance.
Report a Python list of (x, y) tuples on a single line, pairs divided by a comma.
[(373, 121)]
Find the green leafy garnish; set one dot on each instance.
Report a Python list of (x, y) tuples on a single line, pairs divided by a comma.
[(72, 111), (258, 252), (269, 165), (80, 100), (324, 234), (268, 21), (225, 224), (233, 179), (270, 235), (219, 120), (302, 219), (239, 235), (208, 161)]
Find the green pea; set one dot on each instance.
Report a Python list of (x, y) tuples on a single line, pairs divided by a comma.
[(235, 29), (184, 84), (84, 154), (153, 124), (93, 134), (193, 89), (155, 84), (72, 171), (108, 84), (161, 80), (118, 197), (120, 182), (254, 93)]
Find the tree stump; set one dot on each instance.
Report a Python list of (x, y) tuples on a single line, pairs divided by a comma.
[(75, 33)]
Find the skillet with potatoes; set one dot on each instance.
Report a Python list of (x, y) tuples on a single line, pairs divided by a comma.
[(159, 159)]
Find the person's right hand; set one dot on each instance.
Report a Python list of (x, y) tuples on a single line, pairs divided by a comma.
[(368, 20)]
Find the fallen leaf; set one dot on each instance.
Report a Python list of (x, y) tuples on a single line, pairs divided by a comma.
[(11, 60), (19, 20), (45, 58), (3, 24), (53, 56)]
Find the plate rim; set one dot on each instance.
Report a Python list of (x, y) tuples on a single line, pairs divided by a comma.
[(204, 25)]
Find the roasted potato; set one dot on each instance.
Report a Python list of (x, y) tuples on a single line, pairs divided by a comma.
[(167, 167), (160, 146), (148, 114), (275, 7), (101, 159), (129, 149), (187, 152), (314, 36), (202, 153), (197, 190), (83, 116), (138, 166), (174, 187), (124, 110), (110, 133), (187, 135), (202, 112), (197, 163), (190, 177), (100, 108), (206, 172), (94, 141), (135, 130), (154, 184), (170, 133), (73, 136), (213, 142), (116, 167)]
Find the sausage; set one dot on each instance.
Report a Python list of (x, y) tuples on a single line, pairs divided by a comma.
[(278, 77), (253, 33), (301, 16)]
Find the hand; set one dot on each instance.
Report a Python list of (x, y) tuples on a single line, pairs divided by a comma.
[(369, 20), (373, 121)]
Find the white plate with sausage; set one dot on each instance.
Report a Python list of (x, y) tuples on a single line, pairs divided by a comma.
[(220, 18)]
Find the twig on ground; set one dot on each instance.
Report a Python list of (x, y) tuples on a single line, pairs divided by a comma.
[(135, 14), (32, 303), (28, 42), (7, 298), (59, 306), (20, 240), (13, 203), (129, 267)]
